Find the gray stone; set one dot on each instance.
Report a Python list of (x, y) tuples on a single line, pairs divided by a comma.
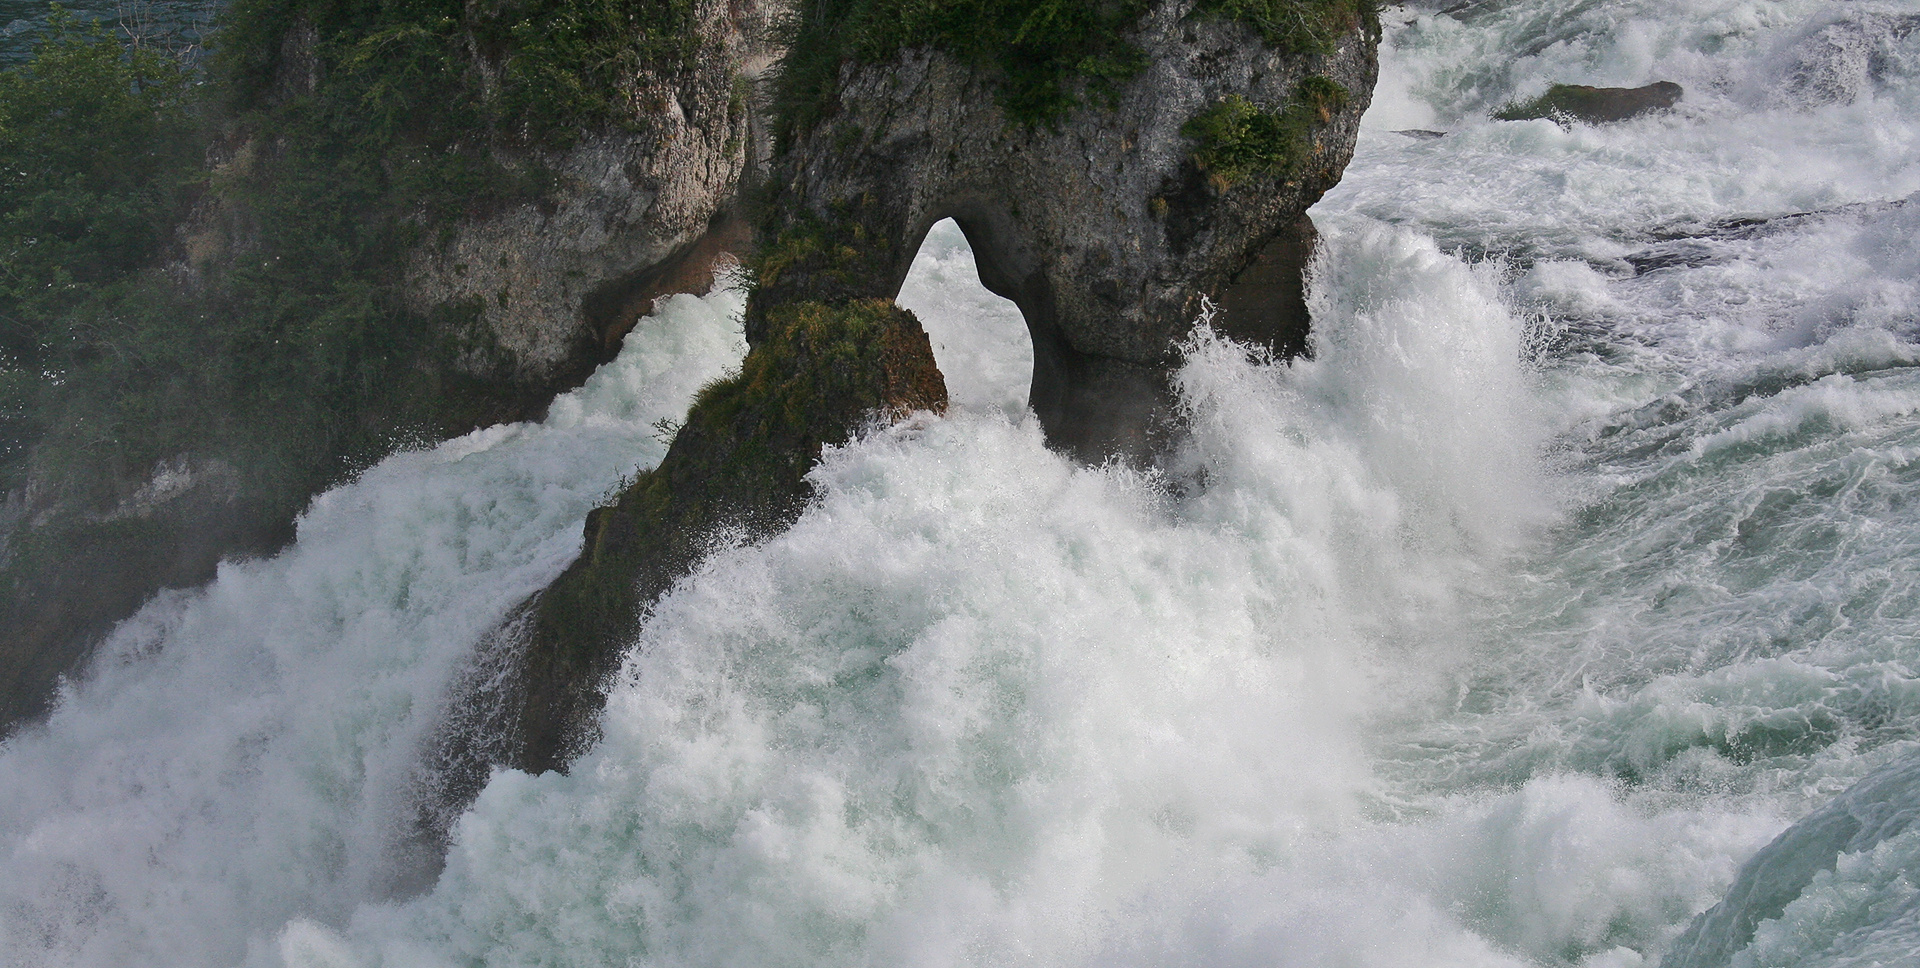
[(1106, 230)]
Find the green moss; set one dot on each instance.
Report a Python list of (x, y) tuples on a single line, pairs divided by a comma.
[(738, 464), (1047, 55), (846, 255), (1298, 26), (1238, 140)]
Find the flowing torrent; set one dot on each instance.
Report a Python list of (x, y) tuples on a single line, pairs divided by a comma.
[(1574, 567)]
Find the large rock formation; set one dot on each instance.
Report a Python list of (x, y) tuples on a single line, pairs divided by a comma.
[(634, 212), (522, 298), (1107, 227), (1181, 168)]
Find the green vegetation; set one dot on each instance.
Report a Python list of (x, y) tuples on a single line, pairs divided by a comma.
[(355, 131), (738, 465), (1238, 140), (1298, 26), (843, 256), (417, 66), (98, 151), (1048, 54)]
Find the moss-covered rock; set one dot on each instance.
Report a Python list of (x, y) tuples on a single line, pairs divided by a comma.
[(1237, 140), (1145, 191), (1566, 103), (1298, 26), (737, 466)]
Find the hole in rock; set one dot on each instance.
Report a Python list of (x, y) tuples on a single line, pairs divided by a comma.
[(979, 339)]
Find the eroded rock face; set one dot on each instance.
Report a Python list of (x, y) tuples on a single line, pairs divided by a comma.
[(634, 213), (1107, 229), (547, 287)]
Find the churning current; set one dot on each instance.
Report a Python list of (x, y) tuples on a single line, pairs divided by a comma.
[(1575, 567)]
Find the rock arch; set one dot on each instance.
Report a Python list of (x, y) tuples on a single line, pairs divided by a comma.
[(1105, 228), (980, 339)]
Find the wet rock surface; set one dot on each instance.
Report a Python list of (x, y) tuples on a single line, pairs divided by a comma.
[(1108, 229), (539, 293), (1881, 807), (1567, 103), (736, 471), (1105, 229)]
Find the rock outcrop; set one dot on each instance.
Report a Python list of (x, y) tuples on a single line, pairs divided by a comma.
[(1105, 228), (634, 212), (524, 296), (1106, 222), (1567, 103), (736, 469)]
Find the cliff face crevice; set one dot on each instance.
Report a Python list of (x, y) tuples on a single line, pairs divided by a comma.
[(1107, 227)]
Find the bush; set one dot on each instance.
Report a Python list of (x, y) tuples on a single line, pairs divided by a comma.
[(1238, 140), (100, 147), (1297, 26), (1046, 53)]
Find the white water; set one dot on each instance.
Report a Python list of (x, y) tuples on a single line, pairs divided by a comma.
[(1501, 633)]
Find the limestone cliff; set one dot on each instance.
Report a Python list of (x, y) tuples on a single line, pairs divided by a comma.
[(1106, 194), (1105, 226), (375, 280), (632, 212)]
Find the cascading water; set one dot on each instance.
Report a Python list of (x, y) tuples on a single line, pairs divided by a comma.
[(1571, 570)]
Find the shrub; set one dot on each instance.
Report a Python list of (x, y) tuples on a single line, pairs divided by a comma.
[(99, 149), (1046, 53), (1238, 140)]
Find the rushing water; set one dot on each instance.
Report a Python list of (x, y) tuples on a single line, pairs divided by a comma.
[(1575, 567)]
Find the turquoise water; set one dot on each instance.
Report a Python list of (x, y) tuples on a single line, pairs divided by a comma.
[(1573, 569)]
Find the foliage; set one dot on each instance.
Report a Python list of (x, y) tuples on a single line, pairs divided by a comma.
[(1238, 140), (296, 361), (1046, 53), (423, 66), (1297, 26), (99, 147)]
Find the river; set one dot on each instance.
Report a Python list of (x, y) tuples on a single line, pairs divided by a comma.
[(1576, 565)]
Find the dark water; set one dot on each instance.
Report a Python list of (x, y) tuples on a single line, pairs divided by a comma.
[(181, 24)]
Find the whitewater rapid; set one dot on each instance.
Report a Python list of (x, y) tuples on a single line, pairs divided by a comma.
[(1574, 567)]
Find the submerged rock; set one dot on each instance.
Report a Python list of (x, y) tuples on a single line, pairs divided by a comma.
[(1844, 56), (1567, 103)]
